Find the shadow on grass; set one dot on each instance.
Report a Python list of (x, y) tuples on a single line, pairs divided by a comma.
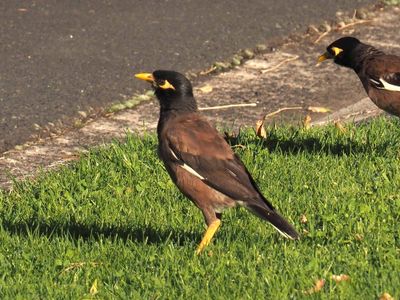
[(314, 145), (142, 235)]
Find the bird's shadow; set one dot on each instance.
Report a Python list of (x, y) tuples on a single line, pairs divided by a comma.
[(139, 234), (311, 145), (314, 145)]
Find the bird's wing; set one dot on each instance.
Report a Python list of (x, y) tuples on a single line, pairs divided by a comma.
[(383, 72), (198, 148)]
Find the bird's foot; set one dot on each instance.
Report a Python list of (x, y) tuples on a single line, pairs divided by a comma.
[(208, 236)]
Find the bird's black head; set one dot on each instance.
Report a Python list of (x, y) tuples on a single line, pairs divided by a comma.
[(173, 90), (342, 51)]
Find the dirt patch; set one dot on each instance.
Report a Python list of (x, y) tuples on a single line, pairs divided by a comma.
[(285, 77)]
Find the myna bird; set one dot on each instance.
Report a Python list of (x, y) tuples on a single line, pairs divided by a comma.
[(200, 162), (378, 72)]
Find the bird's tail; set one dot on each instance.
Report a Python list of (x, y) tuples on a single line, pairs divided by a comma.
[(272, 216)]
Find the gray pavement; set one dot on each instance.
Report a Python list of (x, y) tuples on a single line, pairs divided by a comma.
[(62, 57)]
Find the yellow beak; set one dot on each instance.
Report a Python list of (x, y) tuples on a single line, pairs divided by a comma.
[(145, 76), (328, 55), (324, 56)]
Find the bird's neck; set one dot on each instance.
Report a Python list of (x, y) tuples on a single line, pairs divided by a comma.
[(361, 54), (173, 108), (178, 105)]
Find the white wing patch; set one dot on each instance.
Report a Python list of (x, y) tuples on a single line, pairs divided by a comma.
[(187, 167), (191, 171), (174, 155), (384, 85), (375, 81), (283, 233)]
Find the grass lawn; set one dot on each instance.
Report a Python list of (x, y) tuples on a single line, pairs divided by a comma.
[(112, 225)]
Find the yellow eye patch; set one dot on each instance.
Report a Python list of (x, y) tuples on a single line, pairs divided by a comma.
[(166, 85), (336, 50)]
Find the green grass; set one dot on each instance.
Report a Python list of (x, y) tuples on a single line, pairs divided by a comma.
[(115, 217), (392, 2)]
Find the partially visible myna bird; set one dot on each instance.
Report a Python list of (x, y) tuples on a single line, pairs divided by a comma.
[(378, 72), (199, 160)]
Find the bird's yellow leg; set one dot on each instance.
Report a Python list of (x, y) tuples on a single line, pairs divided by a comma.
[(208, 236)]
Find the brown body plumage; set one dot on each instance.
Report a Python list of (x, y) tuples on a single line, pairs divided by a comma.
[(199, 160)]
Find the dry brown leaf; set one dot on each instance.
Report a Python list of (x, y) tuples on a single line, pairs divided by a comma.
[(386, 296), (318, 109), (319, 284), (260, 130), (358, 237), (303, 219), (307, 122), (206, 89), (340, 127), (340, 278)]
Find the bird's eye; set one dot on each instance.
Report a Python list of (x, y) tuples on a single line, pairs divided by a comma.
[(160, 82)]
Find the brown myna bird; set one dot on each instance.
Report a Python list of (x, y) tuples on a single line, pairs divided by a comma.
[(378, 72), (200, 162)]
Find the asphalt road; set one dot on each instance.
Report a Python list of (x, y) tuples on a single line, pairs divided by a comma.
[(59, 57)]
